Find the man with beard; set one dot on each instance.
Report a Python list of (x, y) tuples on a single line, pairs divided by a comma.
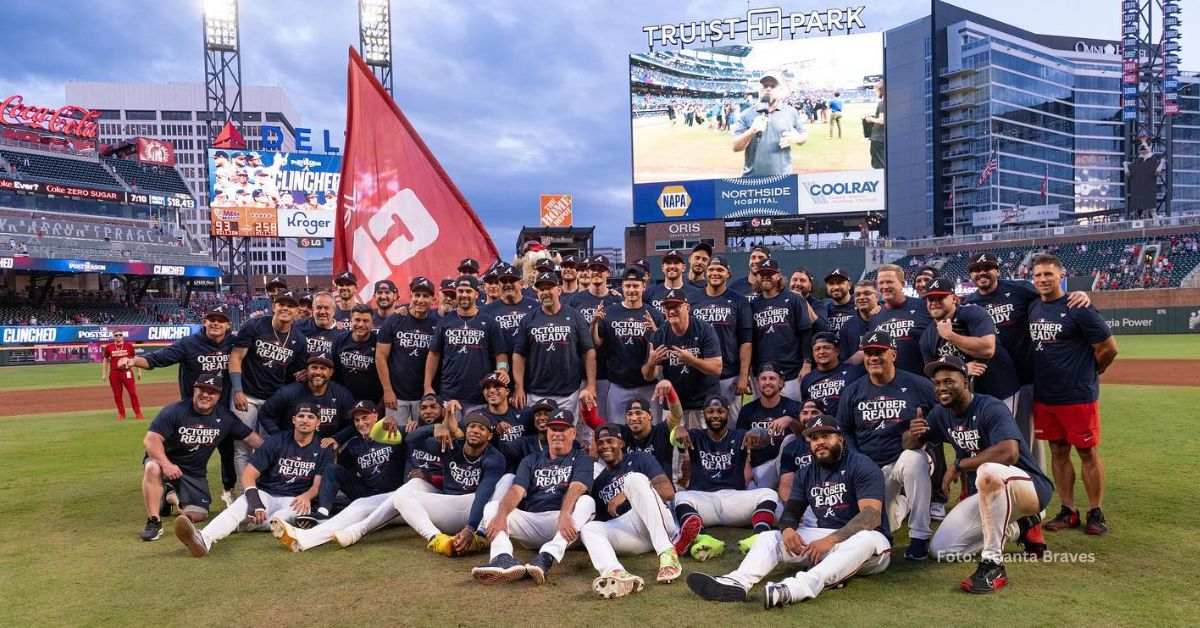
[(401, 349), (593, 295), (491, 283), (747, 286), (465, 348), (925, 276), (545, 507), (331, 400), (767, 132), (385, 303), (875, 412), (632, 517), (968, 332), (1007, 485), (672, 268), (829, 376), (347, 297), (795, 456), (782, 328), (801, 283), (620, 333), (321, 329), (354, 358), (851, 537), (698, 265), (266, 356), (569, 267), (648, 436), (772, 413), (507, 313), (685, 352), (866, 306), (841, 303), (730, 316), (904, 320), (449, 294)]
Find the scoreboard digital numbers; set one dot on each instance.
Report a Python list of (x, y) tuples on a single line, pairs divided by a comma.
[(245, 222)]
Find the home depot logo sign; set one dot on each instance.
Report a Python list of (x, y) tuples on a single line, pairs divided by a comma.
[(557, 210), (674, 201)]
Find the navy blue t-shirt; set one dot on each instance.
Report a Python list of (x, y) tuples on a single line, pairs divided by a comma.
[(271, 357), (611, 481), (506, 319), (190, 437), (553, 346), (692, 384), (545, 479), (468, 349), (287, 468), (333, 408), (656, 292), (586, 303), (1008, 306), (625, 340), (874, 417), (756, 416), (377, 467), (985, 422), (742, 286), (839, 314), (355, 367), (827, 386), (1064, 366), (820, 307), (410, 338), (519, 424), (796, 456), (657, 444), (424, 455), (320, 340), (196, 355), (729, 314), (341, 318), (717, 464), (850, 336), (781, 332), (833, 491), (1000, 379), (464, 475), (905, 323)]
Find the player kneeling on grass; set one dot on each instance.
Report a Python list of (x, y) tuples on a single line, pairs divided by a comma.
[(850, 538), (717, 492), (546, 505), (1008, 490), (281, 479), (367, 471), (633, 517), (178, 444)]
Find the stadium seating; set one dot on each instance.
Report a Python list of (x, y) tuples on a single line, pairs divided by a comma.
[(36, 166), (144, 177)]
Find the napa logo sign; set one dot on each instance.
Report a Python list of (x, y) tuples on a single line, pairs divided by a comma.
[(673, 200)]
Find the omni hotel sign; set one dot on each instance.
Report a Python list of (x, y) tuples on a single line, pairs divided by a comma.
[(757, 25)]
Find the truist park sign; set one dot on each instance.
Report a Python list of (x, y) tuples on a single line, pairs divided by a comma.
[(66, 120), (757, 25)]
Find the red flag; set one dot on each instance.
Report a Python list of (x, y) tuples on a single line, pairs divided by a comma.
[(398, 215), (229, 137), (1046, 185)]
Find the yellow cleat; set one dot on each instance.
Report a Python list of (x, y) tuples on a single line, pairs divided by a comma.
[(441, 544)]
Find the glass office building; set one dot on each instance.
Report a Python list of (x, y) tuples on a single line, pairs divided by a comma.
[(963, 88)]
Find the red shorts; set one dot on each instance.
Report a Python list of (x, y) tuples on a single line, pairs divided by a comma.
[(1075, 423)]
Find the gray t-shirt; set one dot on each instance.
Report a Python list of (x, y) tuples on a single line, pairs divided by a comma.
[(769, 158)]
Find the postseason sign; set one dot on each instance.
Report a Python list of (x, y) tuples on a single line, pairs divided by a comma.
[(273, 194)]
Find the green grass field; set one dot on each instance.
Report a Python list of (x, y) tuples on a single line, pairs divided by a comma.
[(68, 376), (1165, 346)]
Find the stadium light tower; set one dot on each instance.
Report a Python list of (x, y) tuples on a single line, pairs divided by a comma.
[(375, 38), (223, 102)]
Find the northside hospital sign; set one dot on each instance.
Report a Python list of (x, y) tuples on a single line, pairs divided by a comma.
[(758, 25)]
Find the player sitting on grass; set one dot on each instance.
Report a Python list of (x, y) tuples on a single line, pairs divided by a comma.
[(281, 479), (633, 518), (178, 444)]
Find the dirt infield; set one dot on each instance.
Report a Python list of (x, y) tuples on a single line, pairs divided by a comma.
[(1153, 372)]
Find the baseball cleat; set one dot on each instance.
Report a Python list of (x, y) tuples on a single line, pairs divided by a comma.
[(311, 520), (989, 577), (441, 544), (745, 544), (348, 536), (227, 497), (687, 533), (707, 547), (141, 417), (716, 588), (669, 568), (918, 550), (937, 511), (120, 417), (153, 530), (286, 533), (617, 583), (503, 568), (191, 538), (776, 595), (1097, 525), (479, 543), (540, 566), (1031, 536), (1067, 518), (276, 526)]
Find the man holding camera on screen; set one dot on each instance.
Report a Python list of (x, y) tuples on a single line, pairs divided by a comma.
[(767, 131)]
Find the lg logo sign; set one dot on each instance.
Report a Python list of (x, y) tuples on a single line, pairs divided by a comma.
[(400, 229), (684, 228)]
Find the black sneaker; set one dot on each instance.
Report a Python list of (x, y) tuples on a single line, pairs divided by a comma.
[(1097, 525), (153, 529), (311, 520), (503, 568), (1067, 518), (989, 577), (776, 595), (1031, 536), (918, 550), (539, 567), (716, 589)]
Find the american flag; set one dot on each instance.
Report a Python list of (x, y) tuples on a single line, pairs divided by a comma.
[(950, 199), (988, 169), (1046, 184)]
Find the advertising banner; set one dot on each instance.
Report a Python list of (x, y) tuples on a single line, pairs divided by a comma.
[(762, 196), (310, 243), (176, 200), (65, 334), (679, 200), (154, 151), (21, 262), (1163, 320), (272, 180), (834, 192), (556, 210), (306, 223), (1015, 215)]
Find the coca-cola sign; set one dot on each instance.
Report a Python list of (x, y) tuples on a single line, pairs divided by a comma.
[(66, 120)]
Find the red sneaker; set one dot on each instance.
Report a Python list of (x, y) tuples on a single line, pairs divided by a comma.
[(1067, 518), (141, 417), (120, 417), (687, 533)]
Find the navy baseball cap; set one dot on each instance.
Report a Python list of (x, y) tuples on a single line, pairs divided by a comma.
[(562, 417), (306, 407), (837, 275), (220, 311), (544, 265), (420, 284), (927, 270), (570, 261), (492, 379), (480, 419), (467, 281), (210, 380), (672, 255), (877, 339), (449, 286), (637, 404), (276, 282), (825, 336), (769, 367), (983, 261), (544, 404), (717, 260), (761, 248), (675, 296), (320, 358), (939, 287), (703, 246), (823, 423), (508, 271), (492, 274), (306, 299), (951, 362), (385, 284), (599, 262), (287, 296), (346, 279), (546, 278), (716, 401), (633, 273), (768, 267), (469, 265), (363, 406), (611, 430)]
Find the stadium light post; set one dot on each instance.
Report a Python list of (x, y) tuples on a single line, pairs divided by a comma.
[(375, 39), (223, 102)]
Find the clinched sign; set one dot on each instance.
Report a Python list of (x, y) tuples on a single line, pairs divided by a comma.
[(398, 213), (557, 210)]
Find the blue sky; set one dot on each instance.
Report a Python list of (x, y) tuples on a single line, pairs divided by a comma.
[(515, 98)]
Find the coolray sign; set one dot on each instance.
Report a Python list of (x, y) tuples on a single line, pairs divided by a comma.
[(66, 120), (762, 196), (679, 200), (835, 192), (757, 25), (300, 223), (27, 335)]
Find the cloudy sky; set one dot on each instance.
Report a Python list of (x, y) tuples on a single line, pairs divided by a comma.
[(515, 98)]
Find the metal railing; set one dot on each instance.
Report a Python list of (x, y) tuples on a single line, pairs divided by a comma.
[(1126, 228)]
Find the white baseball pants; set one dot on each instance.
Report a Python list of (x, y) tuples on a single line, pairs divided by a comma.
[(910, 474), (866, 553), (726, 507), (647, 526), (537, 530), (429, 512), (978, 523), (357, 511), (228, 521)]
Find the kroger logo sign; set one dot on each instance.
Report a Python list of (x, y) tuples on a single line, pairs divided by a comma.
[(298, 223)]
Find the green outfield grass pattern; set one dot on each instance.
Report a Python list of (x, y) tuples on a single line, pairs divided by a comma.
[(70, 512), (1163, 347), (69, 376)]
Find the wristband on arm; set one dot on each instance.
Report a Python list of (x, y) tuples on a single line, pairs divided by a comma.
[(253, 500), (235, 380)]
